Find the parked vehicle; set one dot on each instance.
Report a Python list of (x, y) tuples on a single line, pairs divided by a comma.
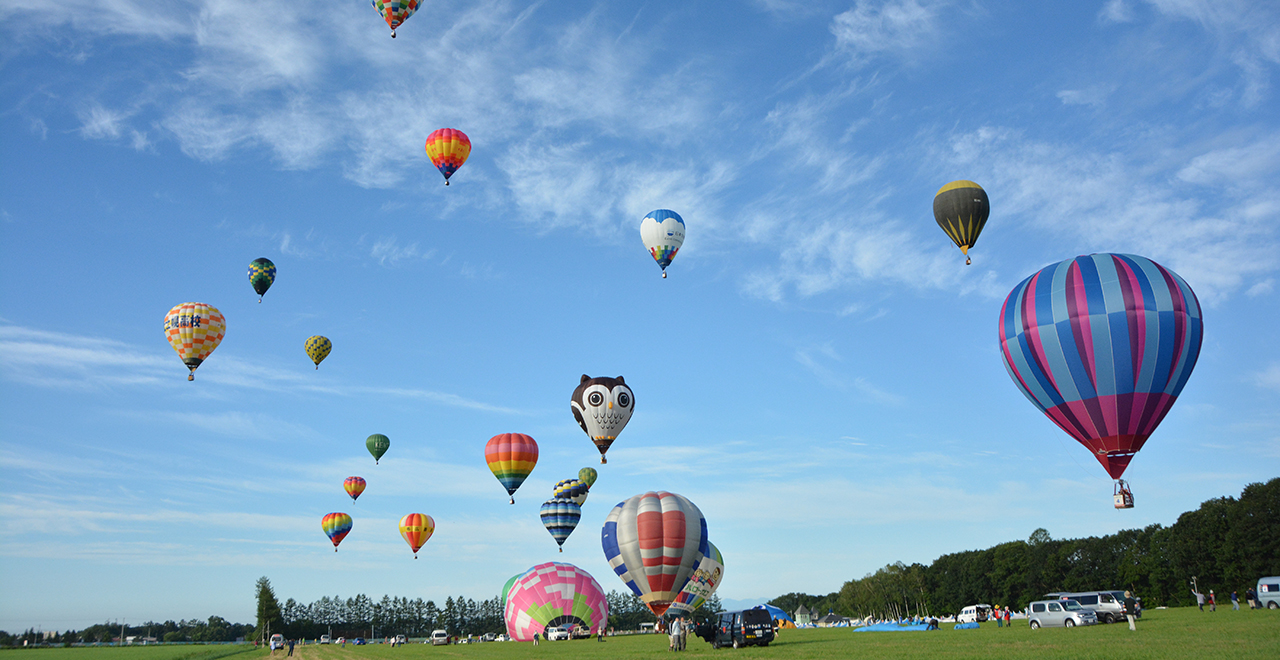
[(324, 639), (738, 629), (359, 641), (1059, 614), (400, 639), (277, 641), (439, 637), (558, 633), (1108, 605), (579, 631), (974, 613), (342, 640), (1269, 592)]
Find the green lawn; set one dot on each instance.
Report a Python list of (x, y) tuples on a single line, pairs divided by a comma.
[(1176, 633)]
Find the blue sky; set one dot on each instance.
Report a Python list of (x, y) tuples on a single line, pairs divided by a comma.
[(819, 373)]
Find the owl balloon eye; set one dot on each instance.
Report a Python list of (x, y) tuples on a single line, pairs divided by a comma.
[(595, 398), (624, 400)]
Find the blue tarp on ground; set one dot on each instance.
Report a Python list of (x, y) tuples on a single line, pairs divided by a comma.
[(775, 612), (967, 626), (892, 627)]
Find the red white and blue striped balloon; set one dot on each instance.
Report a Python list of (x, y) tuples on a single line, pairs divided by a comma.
[(1102, 344), (653, 541)]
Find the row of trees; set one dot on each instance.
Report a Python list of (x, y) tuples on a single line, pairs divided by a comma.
[(1227, 544), (215, 629)]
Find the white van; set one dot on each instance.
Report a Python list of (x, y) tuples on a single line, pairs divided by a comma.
[(974, 613), (325, 639), (1269, 592), (439, 637)]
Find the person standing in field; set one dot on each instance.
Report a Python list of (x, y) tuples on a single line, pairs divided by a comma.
[(1199, 599), (1235, 601), (291, 642), (1251, 597), (1130, 610), (1213, 602), (1007, 615), (673, 631)]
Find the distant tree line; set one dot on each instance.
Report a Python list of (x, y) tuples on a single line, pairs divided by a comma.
[(1227, 544), (215, 629)]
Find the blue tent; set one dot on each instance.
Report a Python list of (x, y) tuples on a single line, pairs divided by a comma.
[(774, 612)]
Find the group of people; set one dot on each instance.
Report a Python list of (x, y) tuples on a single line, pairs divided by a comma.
[(1001, 616), (1251, 597), (678, 631)]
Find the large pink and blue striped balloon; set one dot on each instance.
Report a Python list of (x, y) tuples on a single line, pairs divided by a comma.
[(1102, 344)]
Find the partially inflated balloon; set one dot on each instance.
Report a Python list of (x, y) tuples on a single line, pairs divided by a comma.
[(702, 584), (448, 149), (588, 476), (377, 444), (554, 594), (336, 526), (663, 233), (654, 541), (416, 528), (511, 457), (354, 486), (1102, 345), (560, 516), (262, 273), (602, 406), (395, 12), (194, 329), (318, 349), (961, 209), (571, 489), (506, 588)]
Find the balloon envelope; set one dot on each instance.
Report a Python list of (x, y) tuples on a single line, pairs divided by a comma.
[(506, 588), (1102, 344), (318, 348), (336, 526), (571, 489), (511, 457), (354, 486), (448, 149), (416, 528), (194, 329), (961, 209), (588, 476), (560, 517), (703, 584), (377, 444), (553, 594), (395, 12), (662, 232), (262, 274), (602, 406), (653, 541)]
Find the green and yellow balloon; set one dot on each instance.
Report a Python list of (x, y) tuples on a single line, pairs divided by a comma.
[(377, 445), (961, 209), (318, 349), (262, 274)]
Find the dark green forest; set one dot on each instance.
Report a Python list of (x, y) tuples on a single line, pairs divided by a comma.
[(1226, 544)]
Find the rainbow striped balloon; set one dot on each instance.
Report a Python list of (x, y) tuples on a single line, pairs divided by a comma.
[(511, 457), (1102, 345), (354, 486), (554, 594), (416, 528), (654, 541), (448, 149), (336, 526)]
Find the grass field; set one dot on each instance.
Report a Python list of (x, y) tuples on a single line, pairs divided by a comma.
[(1176, 633)]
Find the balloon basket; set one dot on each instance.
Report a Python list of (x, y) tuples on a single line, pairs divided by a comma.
[(513, 500), (191, 376), (603, 460), (664, 274), (1123, 496)]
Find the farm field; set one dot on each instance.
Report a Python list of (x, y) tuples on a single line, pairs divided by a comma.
[(1175, 633)]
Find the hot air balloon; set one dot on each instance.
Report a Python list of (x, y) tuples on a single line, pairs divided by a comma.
[(511, 457), (336, 526), (663, 233), (506, 588), (554, 594), (702, 585), (318, 348), (571, 489), (602, 406), (377, 444), (354, 486), (416, 528), (588, 476), (448, 149), (194, 329), (395, 12), (961, 209), (262, 274), (654, 541), (560, 516), (1102, 345)]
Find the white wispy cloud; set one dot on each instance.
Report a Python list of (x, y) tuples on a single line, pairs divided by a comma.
[(896, 27), (1269, 378)]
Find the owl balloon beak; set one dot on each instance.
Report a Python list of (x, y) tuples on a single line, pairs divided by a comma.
[(610, 405)]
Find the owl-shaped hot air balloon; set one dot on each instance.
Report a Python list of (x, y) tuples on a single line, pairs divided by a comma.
[(654, 542), (1102, 345), (511, 457), (354, 486), (194, 329), (560, 516), (262, 274), (663, 233), (961, 209), (602, 406), (318, 348), (448, 149), (571, 489), (336, 526), (395, 12), (416, 528)]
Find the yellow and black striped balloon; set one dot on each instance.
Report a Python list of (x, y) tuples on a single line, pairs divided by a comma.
[(961, 209)]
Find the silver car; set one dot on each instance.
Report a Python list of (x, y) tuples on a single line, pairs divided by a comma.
[(1059, 614)]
